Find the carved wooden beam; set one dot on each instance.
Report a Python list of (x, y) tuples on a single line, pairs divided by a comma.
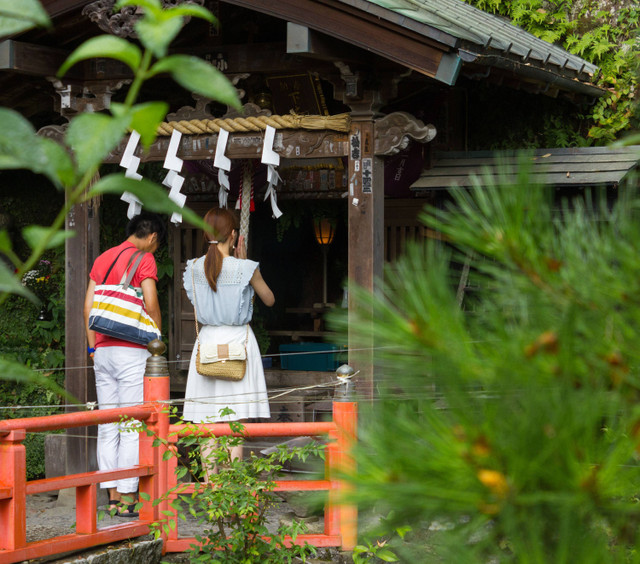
[(122, 23), (86, 97), (288, 144), (394, 131)]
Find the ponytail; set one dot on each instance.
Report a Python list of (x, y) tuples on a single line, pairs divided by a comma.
[(221, 223), (212, 265)]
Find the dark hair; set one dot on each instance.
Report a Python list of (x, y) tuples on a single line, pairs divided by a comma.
[(146, 223), (221, 223)]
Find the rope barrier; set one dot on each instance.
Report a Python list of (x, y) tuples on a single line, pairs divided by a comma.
[(274, 355), (338, 122), (178, 401)]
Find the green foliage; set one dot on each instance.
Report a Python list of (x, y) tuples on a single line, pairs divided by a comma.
[(607, 38), (231, 499), (91, 137), (36, 344), (512, 425), (379, 548), (19, 17)]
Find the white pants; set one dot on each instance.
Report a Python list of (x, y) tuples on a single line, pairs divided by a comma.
[(119, 383)]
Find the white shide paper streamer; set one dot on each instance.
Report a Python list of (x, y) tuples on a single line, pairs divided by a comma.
[(173, 180), (272, 160), (131, 163)]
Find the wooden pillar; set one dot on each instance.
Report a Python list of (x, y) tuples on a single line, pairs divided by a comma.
[(80, 252), (366, 229)]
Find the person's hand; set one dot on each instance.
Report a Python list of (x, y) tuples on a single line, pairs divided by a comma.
[(241, 248)]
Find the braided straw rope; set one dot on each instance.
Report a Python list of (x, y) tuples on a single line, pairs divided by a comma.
[(247, 177), (339, 122)]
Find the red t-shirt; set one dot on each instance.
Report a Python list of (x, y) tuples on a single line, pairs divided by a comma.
[(146, 269)]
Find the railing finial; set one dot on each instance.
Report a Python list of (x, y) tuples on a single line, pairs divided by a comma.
[(156, 363)]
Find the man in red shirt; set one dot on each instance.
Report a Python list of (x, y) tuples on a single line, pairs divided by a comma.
[(119, 365)]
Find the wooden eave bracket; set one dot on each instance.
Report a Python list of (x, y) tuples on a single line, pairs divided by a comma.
[(394, 131)]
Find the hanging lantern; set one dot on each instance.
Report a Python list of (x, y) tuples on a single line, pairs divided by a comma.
[(324, 231)]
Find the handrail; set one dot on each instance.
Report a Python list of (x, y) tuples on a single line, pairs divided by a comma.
[(157, 475), (86, 479), (255, 429), (75, 419)]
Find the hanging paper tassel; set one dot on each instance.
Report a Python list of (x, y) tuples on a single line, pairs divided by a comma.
[(224, 166), (272, 160), (272, 179), (223, 192), (131, 163), (173, 180)]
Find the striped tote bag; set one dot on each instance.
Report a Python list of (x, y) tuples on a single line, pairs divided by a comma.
[(118, 309)]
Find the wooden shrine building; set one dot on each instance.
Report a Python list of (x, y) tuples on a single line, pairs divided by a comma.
[(402, 77)]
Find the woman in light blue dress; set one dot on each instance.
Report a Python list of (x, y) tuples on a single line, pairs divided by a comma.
[(224, 287)]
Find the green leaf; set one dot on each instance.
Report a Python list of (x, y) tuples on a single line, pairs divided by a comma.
[(152, 196), (402, 531), (152, 6), (144, 496), (107, 46), (93, 136), (193, 10), (198, 76), (157, 34), (181, 471), (144, 119), (386, 555), (16, 17), (60, 166), (17, 372), (5, 241), (10, 284), (33, 234), (21, 148), (166, 455)]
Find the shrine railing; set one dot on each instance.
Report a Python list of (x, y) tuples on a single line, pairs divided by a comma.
[(156, 475)]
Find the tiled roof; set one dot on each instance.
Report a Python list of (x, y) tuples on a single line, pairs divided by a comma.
[(583, 166), (476, 33)]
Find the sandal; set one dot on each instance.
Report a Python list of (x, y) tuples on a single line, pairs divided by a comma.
[(127, 511), (112, 507)]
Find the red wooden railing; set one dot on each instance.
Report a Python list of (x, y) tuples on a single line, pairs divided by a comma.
[(156, 475)]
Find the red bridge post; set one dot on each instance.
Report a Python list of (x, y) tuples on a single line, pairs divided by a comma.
[(156, 393), (13, 491)]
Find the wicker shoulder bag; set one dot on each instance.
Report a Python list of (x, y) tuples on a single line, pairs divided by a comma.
[(224, 362)]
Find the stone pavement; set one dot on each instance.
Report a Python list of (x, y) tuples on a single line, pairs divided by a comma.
[(49, 517)]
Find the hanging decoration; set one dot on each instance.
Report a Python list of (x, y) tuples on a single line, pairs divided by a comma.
[(173, 180), (223, 164), (247, 180), (131, 163), (246, 199), (272, 160)]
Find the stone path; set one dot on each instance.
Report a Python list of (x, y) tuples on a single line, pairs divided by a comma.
[(47, 517)]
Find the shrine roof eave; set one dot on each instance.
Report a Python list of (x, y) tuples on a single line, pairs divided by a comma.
[(437, 38)]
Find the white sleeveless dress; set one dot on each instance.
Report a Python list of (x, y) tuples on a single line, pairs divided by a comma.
[(224, 315)]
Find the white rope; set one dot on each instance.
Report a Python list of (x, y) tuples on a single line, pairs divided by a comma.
[(274, 355), (206, 399), (247, 181)]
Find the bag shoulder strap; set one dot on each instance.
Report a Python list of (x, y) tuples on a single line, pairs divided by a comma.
[(112, 265), (195, 310), (127, 277)]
